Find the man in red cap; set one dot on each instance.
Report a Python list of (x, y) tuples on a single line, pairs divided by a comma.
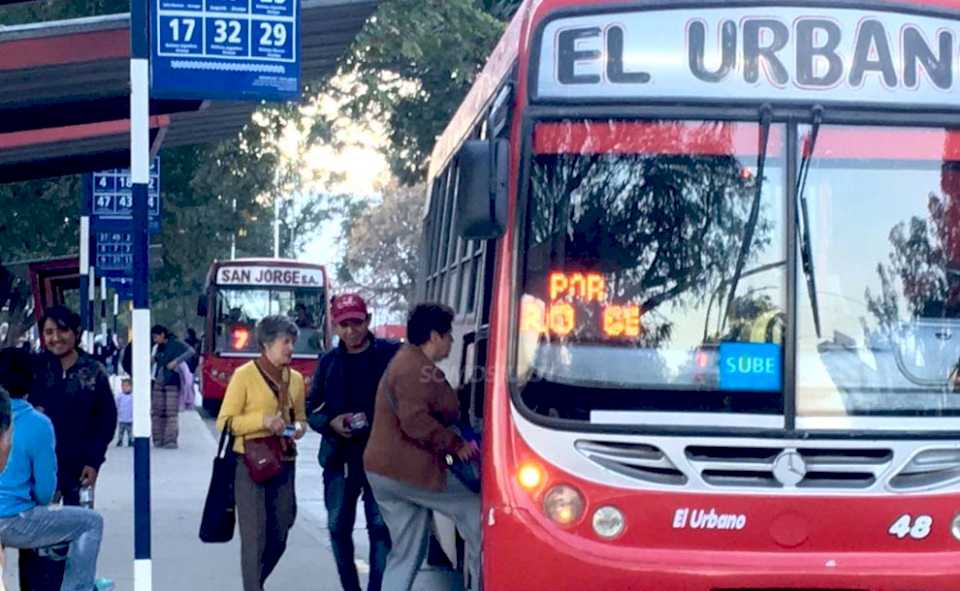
[(340, 407)]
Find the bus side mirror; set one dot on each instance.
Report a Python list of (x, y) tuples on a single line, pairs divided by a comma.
[(482, 194), (202, 307)]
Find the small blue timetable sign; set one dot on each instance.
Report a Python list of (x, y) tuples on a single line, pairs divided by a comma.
[(750, 366), (112, 196), (114, 251), (225, 49)]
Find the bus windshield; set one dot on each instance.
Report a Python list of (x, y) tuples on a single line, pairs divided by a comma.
[(655, 271), (238, 309), (635, 231)]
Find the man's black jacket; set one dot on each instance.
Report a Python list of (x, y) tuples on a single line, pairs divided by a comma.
[(331, 396), (80, 404)]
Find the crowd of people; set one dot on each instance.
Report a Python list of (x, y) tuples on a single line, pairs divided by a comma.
[(65, 414), (386, 414)]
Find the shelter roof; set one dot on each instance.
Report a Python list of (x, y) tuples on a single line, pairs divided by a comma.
[(64, 91)]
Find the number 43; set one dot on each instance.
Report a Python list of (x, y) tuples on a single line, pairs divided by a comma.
[(917, 529)]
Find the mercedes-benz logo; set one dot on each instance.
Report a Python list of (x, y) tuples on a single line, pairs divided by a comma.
[(789, 468)]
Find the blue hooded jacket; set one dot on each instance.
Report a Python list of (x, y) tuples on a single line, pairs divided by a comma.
[(30, 478)]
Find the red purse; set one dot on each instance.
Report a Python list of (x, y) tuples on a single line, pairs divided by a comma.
[(264, 457)]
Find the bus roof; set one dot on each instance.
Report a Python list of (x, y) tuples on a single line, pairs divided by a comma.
[(266, 261), (516, 38)]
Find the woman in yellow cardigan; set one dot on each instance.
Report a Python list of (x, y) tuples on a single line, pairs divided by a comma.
[(265, 398)]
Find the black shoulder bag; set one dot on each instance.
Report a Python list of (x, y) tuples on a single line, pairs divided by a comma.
[(219, 510)]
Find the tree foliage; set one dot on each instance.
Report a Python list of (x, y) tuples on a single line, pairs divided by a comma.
[(666, 232), (919, 269), (47, 10), (412, 66), (383, 247)]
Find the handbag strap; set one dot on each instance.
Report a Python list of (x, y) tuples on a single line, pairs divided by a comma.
[(226, 436)]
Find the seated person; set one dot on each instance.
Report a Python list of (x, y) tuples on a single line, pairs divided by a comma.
[(28, 483)]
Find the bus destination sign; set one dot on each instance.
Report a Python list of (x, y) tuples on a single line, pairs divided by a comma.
[(788, 54), (270, 276)]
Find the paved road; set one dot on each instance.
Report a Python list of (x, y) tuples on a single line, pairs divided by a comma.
[(180, 561)]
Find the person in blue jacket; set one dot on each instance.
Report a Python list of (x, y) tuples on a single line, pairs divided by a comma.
[(28, 484)]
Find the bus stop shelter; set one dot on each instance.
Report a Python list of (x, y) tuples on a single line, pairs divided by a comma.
[(65, 86)]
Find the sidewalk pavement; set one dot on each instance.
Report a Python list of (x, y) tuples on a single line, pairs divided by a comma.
[(179, 480)]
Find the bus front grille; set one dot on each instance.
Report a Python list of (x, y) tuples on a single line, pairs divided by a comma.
[(816, 468), (635, 460)]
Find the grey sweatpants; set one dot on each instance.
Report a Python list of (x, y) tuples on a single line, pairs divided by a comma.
[(406, 511)]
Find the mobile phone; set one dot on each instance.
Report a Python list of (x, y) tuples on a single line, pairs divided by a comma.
[(289, 431)]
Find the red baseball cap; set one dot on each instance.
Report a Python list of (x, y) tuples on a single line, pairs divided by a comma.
[(348, 306)]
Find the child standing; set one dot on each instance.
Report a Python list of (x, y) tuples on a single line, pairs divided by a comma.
[(125, 413)]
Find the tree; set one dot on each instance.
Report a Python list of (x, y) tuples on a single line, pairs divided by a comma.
[(383, 248), (16, 307), (413, 64), (919, 268), (47, 10), (664, 231)]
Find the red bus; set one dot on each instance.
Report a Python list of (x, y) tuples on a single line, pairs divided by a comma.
[(241, 292), (705, 259)]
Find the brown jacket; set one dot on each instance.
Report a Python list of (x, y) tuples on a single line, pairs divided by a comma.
[(410, 437)]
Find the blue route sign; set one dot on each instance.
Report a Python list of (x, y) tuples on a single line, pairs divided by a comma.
[(112, 196), (225, 49), (113, 254)]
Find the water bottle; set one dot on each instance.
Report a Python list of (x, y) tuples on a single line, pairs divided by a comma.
[(86, 496)]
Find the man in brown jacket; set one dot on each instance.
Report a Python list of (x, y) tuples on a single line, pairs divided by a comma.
[(405, 456)]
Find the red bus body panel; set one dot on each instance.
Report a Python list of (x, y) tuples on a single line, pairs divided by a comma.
[(789, 543)]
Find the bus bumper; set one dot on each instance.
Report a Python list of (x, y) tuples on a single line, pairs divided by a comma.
[(519, 553)]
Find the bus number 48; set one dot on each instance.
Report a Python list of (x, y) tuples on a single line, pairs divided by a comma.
[(917, 529)]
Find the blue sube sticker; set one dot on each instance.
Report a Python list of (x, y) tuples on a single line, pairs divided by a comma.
[(750, 366)]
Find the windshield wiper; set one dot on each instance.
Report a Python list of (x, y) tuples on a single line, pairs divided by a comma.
[(803, 217), (766, 114)]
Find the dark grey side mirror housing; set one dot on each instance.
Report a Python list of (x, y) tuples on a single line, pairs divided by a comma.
[(482, 189), (202, 306)]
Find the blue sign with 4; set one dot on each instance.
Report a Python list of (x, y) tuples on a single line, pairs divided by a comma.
[(225, 49), (112, 196)]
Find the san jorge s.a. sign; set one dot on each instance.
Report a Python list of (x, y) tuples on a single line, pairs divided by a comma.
[(270, 276), (751, 53)]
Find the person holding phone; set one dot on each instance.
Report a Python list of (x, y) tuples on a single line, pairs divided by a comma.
[(265, 399), (411, 439), (341, 409)]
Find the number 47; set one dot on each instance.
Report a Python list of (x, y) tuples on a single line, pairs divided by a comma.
[(917, 529)]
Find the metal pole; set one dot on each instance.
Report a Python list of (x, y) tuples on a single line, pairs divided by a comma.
[(85, 321), (233, 238), (276, 227), (116, 313), (103, 305), (140, 172)]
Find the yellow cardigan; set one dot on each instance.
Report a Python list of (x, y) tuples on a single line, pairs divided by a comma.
[(249, 400)]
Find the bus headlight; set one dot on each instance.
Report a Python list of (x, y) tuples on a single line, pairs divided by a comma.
[(955, 527), (563, 504), (608, 522)]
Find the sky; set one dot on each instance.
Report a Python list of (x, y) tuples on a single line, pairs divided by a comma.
[(361, 163)]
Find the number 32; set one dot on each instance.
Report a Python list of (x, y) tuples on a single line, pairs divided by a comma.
[(917, 529)]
